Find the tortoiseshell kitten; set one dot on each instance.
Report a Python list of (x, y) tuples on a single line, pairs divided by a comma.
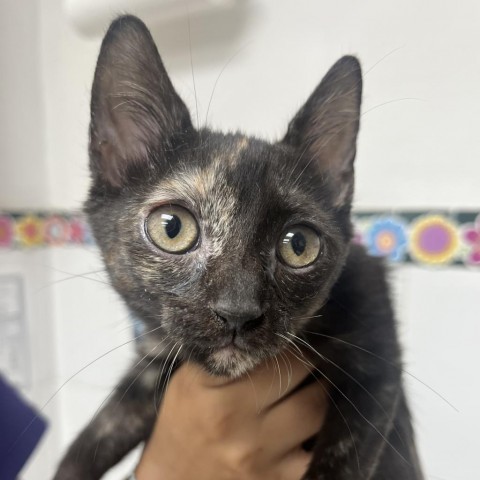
[(228, 248)]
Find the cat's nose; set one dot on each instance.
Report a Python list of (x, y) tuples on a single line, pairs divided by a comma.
[(240, 320)]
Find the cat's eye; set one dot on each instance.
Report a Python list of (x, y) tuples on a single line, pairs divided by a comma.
[(299, 246), (172, 228)]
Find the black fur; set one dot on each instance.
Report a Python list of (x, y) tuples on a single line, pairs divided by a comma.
[(243, 192)]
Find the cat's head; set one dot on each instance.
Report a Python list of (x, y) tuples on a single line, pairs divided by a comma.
[(220, 243)]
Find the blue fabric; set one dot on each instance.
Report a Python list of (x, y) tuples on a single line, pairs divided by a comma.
[(20, 431)]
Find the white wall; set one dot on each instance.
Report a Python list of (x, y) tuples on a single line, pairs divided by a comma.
[(439, 312), (418, 148), (22, 169), (23, 185), (286, 46)]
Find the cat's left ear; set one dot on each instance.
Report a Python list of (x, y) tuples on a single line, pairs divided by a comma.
[(325, 129), (135, 111)]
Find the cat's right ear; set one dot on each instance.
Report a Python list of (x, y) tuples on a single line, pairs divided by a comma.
[(135, 111), (324, 131)]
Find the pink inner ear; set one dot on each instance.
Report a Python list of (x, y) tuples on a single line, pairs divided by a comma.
[(135, 109), (326, 127), (119, 140), (109, 164)]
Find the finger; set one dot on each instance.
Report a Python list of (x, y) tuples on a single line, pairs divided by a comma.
[(218, 396), (192, 374), (290, 369), (300, 416), (275, 379), (256, 391), (294, 465)]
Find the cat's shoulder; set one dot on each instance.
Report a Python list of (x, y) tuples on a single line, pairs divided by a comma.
[(361, 265), (364, 277)]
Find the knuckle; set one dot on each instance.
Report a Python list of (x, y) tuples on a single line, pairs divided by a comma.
[(223, 422), (244, 460), (218, 426)]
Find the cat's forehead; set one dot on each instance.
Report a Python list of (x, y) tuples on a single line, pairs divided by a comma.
[(233, 187), (230, 174)]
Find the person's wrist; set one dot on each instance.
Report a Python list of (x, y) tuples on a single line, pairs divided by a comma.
[(149, 466), (145, 471)]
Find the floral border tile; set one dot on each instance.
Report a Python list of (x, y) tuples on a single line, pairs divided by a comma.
[(422, 237), (24, 230)]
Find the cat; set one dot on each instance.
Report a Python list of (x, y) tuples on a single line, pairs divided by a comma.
[(207, 235)]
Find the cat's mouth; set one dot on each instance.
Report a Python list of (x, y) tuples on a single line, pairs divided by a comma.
[(228, 351), (233, 342), (232, 352), (231, 360), (229, 356), (235, 356)]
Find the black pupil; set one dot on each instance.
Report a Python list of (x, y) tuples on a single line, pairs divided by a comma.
[(298, 243), (172, 225)]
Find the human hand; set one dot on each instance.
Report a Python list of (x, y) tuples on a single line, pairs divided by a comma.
[(253, 428)]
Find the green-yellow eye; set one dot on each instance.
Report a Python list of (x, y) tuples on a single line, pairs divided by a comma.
[(172, 228), (299, 246)]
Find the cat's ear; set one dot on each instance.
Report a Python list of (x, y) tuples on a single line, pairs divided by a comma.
[(325, 129), (135, 111)]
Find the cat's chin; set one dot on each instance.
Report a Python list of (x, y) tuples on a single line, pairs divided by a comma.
[(231, 362)]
